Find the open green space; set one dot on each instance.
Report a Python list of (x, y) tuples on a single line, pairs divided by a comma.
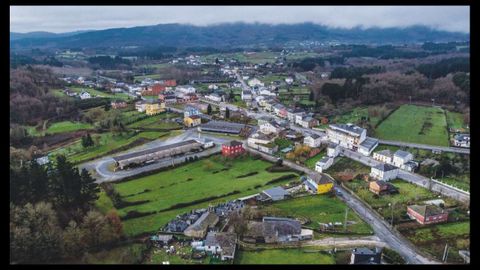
[(318, 209), (359, 114), (455, 121), (310, 163), (273, 77), (432, 239), (160, 121), (128, 254), (105, 143), (284, 256), (206, 178), (151, 76), (59, 127), (416, 124)]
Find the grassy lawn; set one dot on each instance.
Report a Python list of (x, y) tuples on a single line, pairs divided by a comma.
[(432, 239), (455, 121), (208, 177), (271, 78), (460, 181), (310, 163), (161, 121), (318, 209), (151, 76), (59, 127), (346, 165), (416, 124), (357, 114), (104, 143), (283, 256)]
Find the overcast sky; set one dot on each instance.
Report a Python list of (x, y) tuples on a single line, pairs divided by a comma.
[(59, 19)]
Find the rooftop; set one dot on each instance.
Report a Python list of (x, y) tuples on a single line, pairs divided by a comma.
[(385, 167), (276, 191), (369, 143), (348, 128), (385, 152), (402, 154), (233, 143), (318, 178), (153, 150), (426, 210)]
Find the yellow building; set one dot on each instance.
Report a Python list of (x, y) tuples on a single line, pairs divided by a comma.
[(318, 183), (154, 108), (192, 121)]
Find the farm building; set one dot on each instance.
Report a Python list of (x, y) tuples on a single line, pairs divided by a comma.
[(384, 172), (274, 194), (318, 183), (232, 148), (381, 187), (221, 243), (366, 256), (277, 229), (157, 153), (200, 227), (427, 214), (222, 127), (462, 140)]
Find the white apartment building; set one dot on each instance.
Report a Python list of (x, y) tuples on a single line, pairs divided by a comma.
[(346, 135)]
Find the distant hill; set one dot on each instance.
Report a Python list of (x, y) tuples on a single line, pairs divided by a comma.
[(233, 35), (43, 34)]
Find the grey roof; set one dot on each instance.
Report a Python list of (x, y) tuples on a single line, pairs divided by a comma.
[(427, 210), (385, 167), (221, 126), (282, 226), (154, 150), (332, 145), (401, 154), (462, 137), (202, 223), (369, 143), (385, 152), (365, 251), (314, 136), (324, 159), (247, 92), (226, 241), (233, 143), (318, 178), (351, 129), (276, 191)]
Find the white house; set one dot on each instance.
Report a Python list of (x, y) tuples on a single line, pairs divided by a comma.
[(347, 135), (367, 146), (384, 156), (462, 140), (333, 150), (246, 95), (214, 97), (323, 164), (255, 82), (213, 87), (221, 243), (289, 80), (185, 89), (384, 172), (270, 127), (401, 157), (312, 140), (140, 106), (308, 122), (85, 95), (266, 92)]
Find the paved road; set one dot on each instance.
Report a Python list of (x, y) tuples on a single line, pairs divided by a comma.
[(347, 242), (381, 228), (104, 174), (413, 178), (428, 147)]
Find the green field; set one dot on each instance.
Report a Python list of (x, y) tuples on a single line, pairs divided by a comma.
[(432, 239), (310, 163), (271, 78), (318, 209), (104, 143), (129, 254), (151, 76), (283, 256), (160, 121), (455, 121), (59, 127), (416, 124), (202, 179)]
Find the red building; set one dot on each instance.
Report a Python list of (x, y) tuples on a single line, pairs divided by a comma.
[(232, 148), (157, 89), (427, 214), (170, 83)]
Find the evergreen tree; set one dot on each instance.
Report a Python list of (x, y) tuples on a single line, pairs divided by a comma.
[(107, 106), (209, 109), (227, 113), (312, 96), (38, 182), (89, 189)]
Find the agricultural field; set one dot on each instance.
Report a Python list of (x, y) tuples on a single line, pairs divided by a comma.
[(301, 55), (455, 121), (256, 57), (59, 127), (416, 124), (160, 121), (432, 239), (284, 256), (104, 144), (213, 178), (271, 78), (310, 163), (318, 209), (362, 113)]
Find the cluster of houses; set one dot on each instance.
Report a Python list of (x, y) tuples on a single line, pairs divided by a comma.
[(461, 140)]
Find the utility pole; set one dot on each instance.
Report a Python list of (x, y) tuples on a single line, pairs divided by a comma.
[(345, 223)]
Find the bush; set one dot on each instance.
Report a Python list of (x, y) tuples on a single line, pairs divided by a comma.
[(246, 175), (136, 214)]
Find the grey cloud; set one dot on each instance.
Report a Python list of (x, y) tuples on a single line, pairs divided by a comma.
[(72, 18)]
